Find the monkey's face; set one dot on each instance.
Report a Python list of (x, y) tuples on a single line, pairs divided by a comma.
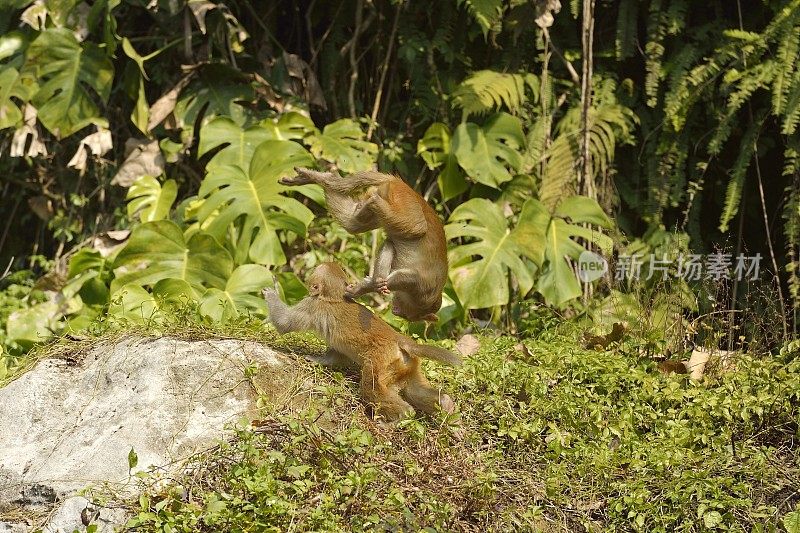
[(328, 281)]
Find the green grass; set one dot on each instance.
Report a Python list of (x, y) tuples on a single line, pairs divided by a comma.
[(552, 437)]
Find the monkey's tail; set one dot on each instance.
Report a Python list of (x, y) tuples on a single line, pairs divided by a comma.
[(432, 352)]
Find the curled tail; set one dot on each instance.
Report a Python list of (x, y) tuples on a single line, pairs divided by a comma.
[(431, 352)]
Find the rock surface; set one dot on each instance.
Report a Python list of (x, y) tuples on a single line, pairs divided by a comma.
[(66, 425)]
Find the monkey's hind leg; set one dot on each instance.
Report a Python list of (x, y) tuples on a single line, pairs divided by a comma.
[(424, 397), (384, 397), (403, 279)]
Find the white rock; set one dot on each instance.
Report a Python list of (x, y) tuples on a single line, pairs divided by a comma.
[(66, 426)]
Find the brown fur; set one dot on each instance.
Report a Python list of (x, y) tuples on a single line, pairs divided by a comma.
[(391, 378), (412, 262)]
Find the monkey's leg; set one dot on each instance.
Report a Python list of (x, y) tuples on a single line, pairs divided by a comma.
[(385, 397), (402, 279), (334, 359), (380, 270), (424, 397)]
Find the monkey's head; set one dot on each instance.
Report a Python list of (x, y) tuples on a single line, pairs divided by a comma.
[(328, 281)]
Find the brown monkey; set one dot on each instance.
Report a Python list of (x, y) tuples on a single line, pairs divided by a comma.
[(412, 262), (391, 378)]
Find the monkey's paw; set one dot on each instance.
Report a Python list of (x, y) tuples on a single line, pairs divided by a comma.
[(268, 291), (382, 286), (295, 180)]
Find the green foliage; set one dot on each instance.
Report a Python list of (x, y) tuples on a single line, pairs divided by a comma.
[(66, 71), (483, 282), (151, 201), (487, 13), (487, 90), (253, 197), (543, 238), (343, 141), (486, 153), (549, 433), (158, 250)]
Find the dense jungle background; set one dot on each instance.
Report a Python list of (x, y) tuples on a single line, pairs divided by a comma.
[(142, 142)]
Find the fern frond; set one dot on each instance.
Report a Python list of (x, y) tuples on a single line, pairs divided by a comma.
[(661, 23), (487, 90), (487, 13), (747, 149), (760, 76), (560, 172), (791, 114), (786, 67), (610, 123), (791, 215)]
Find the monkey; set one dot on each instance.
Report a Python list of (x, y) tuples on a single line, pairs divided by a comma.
[(391, 379), (412, 262)]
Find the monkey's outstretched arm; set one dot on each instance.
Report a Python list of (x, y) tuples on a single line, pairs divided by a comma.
[(285, 318)]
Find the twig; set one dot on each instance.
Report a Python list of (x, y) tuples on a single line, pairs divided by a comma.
[(573, 74), (585, 185), (764, 204), (9, 221), (769, 237), (351, 99), (8, 268), (384, 70)]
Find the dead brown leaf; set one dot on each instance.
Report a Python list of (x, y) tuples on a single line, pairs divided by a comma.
[(144, 159), (162, 108), (109, 242), (468, 345)]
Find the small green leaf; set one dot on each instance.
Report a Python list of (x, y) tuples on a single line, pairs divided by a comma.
[(791, 521), (133, 459), (151, 200)]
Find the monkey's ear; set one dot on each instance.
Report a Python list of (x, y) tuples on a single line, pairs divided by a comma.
[(315, 289)]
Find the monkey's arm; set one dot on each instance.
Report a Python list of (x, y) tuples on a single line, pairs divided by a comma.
[(286, 318)]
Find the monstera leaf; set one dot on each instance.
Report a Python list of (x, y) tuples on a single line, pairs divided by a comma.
[(240, 294), (12, 85), (72, 77), (342, 142), (486, 153), (483, 282), (242, 143), (151, 200), (157, 250), (291, 126), (557, 282), (218, 90), (435, 149), (252, 199)]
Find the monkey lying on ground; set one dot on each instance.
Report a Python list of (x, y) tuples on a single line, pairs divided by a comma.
[(391, 378), (412, 262)]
